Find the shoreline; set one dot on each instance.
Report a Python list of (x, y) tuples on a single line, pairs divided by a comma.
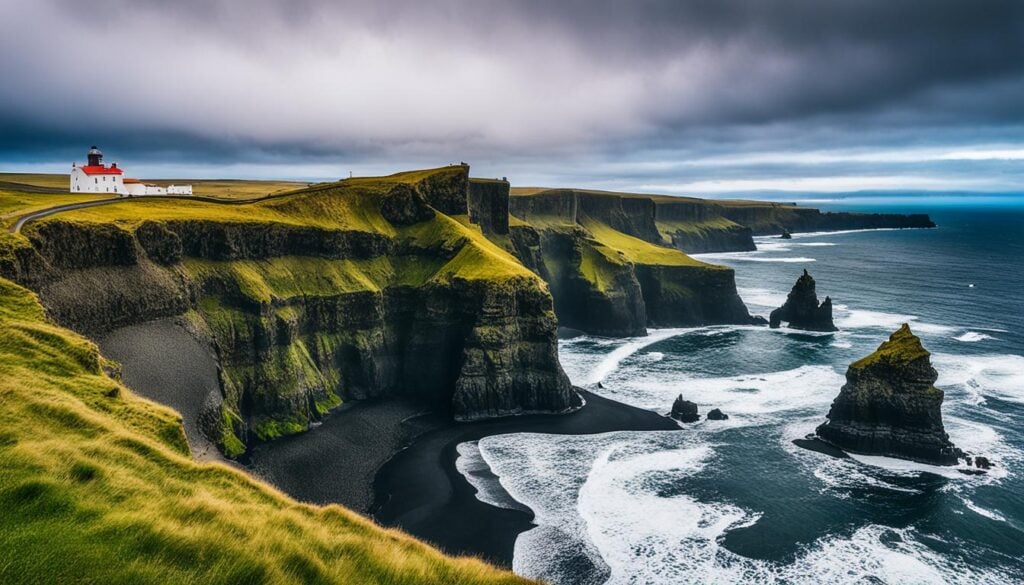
[(421, 492)]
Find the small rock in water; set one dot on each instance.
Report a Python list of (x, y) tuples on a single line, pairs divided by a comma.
[(600, 385), (786, 235), (982, 462), (717, 414), (684, 410)]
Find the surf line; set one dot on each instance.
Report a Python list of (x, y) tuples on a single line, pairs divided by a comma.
[(611, 362)]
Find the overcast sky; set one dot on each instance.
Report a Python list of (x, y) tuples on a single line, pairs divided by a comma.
[(694, 97)]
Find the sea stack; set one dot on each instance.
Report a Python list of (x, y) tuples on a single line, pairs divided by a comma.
[(801, 309), (684, 410), (889, 405)]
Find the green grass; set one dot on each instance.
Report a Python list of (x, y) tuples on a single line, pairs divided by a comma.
[(639, 251), (222, 188), (48, 180), (97, 486), (14, 203), (902, 347)]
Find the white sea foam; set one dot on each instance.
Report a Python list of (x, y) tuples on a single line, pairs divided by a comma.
[(630, 346), (784, 259), (978, 376), (990, 514), (599, 496), (762, 297), (746, 398), (471, 464), (847, 318), (973, 336)]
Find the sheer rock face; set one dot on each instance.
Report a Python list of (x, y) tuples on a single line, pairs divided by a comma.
[(889, 405), (802, 310), (684, 410)]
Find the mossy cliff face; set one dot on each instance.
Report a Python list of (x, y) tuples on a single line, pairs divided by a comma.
[(700, 227), (354, 290), (609, 270), (890, 406)]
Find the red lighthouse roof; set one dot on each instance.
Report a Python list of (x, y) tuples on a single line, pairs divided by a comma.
[(101, 169)]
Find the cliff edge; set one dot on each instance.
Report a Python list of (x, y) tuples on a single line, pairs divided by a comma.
[(365, 288)]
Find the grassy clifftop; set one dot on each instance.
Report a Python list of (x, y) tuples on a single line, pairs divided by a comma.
[(340, 291), (97, 485)]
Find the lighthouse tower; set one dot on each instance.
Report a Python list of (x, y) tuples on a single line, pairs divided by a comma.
[(95, 177)]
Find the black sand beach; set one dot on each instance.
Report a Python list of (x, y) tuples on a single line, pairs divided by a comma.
[(394, 459), (421, 491)]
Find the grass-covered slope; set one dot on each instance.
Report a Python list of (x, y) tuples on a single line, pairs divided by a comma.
[(219, 188), (349, 290), (97, 486)]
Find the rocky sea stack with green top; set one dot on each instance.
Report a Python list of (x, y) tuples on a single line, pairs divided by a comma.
[(890, 406)]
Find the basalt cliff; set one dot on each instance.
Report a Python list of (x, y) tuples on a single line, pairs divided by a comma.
[(890, 406), (366, 288)]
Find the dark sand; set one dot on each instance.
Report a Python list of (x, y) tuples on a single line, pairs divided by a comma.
[(334, 462), (394, 457), (421, 491), (163, 362)]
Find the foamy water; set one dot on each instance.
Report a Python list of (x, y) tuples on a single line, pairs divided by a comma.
[(736, 501)]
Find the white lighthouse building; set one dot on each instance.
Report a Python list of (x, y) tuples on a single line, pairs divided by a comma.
[(96, 177)]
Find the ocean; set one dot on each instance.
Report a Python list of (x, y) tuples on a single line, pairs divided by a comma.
[(736, 501)]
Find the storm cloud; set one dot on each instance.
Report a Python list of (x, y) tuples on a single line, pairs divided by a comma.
[(625, 94)]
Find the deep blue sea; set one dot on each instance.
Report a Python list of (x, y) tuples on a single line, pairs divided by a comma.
[(735, 501)]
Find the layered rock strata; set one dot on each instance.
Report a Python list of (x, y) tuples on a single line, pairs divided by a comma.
[(890, 406), (357, 290)]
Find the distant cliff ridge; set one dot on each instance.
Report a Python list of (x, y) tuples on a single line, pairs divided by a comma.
[(698, 226), (610, 268), (772, 218)]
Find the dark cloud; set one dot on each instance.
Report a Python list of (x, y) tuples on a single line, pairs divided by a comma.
[(514, 83)]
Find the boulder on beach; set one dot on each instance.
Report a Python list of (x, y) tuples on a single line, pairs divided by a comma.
[(684, 410), (889, 406), (801, 309), (717, 414)]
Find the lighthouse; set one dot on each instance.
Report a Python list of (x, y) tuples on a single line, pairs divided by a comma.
[(96, 177)]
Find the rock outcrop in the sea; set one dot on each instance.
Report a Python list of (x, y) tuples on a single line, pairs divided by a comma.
[(684, 410), (801, 309), (717, 414), (786, 235), (890, 406)]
